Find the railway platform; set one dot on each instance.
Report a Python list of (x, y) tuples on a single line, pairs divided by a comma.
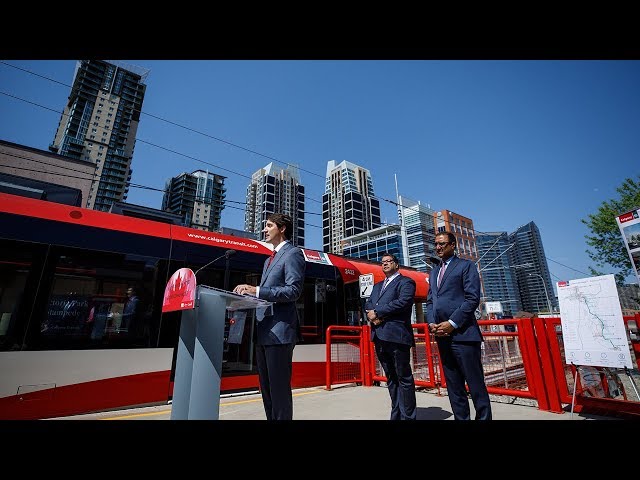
[(347, 402)]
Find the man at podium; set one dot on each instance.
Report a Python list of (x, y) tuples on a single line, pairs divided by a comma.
[(281, 283)]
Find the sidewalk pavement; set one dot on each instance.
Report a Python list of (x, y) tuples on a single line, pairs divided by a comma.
[(348, 402)]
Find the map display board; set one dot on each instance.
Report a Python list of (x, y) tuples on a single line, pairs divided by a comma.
[(593, 330), (629, 224)]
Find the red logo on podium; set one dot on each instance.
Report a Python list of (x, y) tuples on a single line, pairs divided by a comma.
[(180, 292)]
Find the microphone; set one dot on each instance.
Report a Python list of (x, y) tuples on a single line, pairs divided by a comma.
[(227, 254)]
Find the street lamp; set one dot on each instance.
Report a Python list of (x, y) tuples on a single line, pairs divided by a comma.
[(545, 289)]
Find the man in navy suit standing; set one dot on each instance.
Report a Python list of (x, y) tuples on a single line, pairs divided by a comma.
[(389, 311), (454, 295), (281, 283)]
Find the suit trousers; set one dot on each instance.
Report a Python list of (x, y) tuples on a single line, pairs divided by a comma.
[(274, 372), (396, 363), (462, 362)]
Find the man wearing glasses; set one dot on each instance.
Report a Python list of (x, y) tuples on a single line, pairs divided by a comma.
[(454, 295), (389, 311)]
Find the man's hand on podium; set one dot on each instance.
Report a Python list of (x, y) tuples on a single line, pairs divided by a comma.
[(245, 289)]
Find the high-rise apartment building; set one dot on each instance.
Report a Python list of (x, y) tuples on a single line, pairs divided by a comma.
[(499, 283), (419, 227), (372, 244), (534, 280), (198, 197), (274, 189), (348, 204), (462, 228), (99, 125)]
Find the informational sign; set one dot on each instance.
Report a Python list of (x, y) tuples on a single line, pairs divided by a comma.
[(366, 285), (629, 224), (593, 330), (493, 307), (316, 257)]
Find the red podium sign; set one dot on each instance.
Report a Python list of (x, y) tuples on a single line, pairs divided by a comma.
[(180, 292)]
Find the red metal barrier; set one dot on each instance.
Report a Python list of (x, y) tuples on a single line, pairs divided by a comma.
[(542, 368), (544, 340), (531, 362), (367, 354), (347, 367), (564, 374), (425, 357)]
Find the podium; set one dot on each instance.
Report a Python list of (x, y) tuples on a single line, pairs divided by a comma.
[(196, 386)]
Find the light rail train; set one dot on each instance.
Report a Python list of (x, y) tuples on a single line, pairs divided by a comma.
[(68, 345)]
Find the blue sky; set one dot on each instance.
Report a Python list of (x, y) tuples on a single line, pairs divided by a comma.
[(502, 142)]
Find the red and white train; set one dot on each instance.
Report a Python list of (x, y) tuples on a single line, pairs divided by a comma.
[(64, 274)]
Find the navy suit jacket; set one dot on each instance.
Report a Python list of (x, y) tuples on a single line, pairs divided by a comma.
[(456, 298), (282, 283), (393, 305)]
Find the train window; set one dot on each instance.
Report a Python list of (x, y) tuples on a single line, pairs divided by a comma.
[(18, 262), (97, 300)]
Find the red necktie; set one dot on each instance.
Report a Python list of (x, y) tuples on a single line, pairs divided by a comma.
[(273, 254), (441, 273)]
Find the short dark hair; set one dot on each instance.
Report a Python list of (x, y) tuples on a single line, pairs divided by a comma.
[(451, 238), (282, 220), (393, 257)]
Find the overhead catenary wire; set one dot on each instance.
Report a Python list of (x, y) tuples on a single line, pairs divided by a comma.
[(212, 137)]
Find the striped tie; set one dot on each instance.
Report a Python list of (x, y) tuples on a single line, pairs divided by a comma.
[(384, 285), (443, 267)]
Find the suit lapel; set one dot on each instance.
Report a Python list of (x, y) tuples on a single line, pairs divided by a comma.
[(389, 285), (268, 268), (452, 264)]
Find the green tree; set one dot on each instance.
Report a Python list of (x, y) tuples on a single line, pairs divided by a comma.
[(605, 239)]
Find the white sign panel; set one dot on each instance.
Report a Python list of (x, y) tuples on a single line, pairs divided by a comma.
[(236, 326), (366, 285), (593, 330), (493, 307), (629, 224)]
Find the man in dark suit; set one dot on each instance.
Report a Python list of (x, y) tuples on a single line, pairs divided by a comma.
[(389, 311), (278, 331), (130, 312), (454, 295)]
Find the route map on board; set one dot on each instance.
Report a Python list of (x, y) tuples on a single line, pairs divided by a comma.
[(593, 330)]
